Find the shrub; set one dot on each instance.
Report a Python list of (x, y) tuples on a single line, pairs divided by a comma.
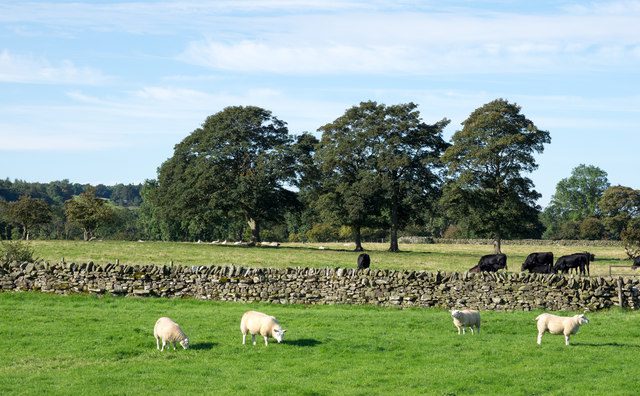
[(19, 251), (322, 232)]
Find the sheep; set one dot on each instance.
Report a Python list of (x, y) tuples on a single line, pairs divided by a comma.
[(466, 318), (554, 324), (256, 322), (170, 332)]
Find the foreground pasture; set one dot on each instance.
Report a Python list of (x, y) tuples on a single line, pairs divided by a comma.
[(88, 345), (429, 257)]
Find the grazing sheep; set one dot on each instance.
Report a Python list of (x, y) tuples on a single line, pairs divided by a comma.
[(554, 324), (256, 322), (466, 318), (169, 332)]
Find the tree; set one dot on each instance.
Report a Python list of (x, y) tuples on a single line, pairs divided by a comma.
[(577, 196), (88, 211), (29, 212), (380, 160), (486, 187), (234, 168), (618, 205)]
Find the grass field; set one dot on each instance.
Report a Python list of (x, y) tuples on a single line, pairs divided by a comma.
[(83, 345), (430, 257)]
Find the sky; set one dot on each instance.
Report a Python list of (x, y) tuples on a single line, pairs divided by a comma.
[(101, 91)]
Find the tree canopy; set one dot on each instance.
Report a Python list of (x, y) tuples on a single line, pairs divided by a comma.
[(235, 167), (88, 211), (379, 162), (486, 163), (29, 212)]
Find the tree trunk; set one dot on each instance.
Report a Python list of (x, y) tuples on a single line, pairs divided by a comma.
[(393, 246), (87, 234), (255, 230), (497, 245), (25, 233), (358, 239)]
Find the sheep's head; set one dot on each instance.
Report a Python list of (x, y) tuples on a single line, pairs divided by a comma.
[(185, 343), (456, 314), (582, 319), (278, 334)]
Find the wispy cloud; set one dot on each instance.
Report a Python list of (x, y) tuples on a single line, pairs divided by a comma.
[(16, 68)]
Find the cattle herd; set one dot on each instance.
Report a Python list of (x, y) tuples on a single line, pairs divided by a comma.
[(539, 262)]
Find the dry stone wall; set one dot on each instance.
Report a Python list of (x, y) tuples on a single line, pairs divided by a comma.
[(485, 291)]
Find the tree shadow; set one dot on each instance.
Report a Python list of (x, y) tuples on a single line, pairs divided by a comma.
[(605, 344), (202, 346), (304, 342)]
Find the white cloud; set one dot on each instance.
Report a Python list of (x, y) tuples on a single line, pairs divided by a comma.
[(27, 69)]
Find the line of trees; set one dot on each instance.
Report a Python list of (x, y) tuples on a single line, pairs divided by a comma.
[(376, 172)]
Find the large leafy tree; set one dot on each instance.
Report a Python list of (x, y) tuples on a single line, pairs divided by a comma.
[(618, 206), (29, 213), (575, 199), (234, 168), (379, 161), (88, 211), (487, 188)]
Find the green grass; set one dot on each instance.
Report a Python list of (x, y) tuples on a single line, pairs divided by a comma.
[(430, 257), (104, 346)]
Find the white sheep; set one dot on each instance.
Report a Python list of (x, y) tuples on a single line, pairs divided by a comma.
[(256, 322), (554, 324), (169, 332), (466, 318)]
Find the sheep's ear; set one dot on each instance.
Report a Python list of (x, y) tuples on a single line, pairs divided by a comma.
[(284, 331)]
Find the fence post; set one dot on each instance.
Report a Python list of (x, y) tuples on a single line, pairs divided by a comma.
[(620, 292)]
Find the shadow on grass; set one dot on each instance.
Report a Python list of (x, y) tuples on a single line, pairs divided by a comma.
[(304, 342), (605, 344), (202, 346)]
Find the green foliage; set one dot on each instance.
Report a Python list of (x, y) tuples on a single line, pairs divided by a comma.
[(88, 211), (576, 198), (29, 213), (323, 232), (591, 228), (232, 168), (486, 188), (379, 161), (109, 349), (17, 251), (631, 238), (618, 206)]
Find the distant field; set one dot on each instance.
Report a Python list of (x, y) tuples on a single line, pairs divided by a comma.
[(84, 345), (430, 257)]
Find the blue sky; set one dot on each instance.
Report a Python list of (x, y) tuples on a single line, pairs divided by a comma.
[(101, 91)]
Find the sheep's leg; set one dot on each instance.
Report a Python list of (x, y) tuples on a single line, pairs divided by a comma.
[(253, 339), (244, 338), (174, 345), (478, 329), (463, 330), (157, 343), (566, 340), (266, 342), (164, 343), (471, 328), (539, 338)]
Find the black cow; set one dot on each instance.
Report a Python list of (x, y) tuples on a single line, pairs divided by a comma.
[(490, 263), (363, 261), (541, 263), (576, 261), (589, 257)]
